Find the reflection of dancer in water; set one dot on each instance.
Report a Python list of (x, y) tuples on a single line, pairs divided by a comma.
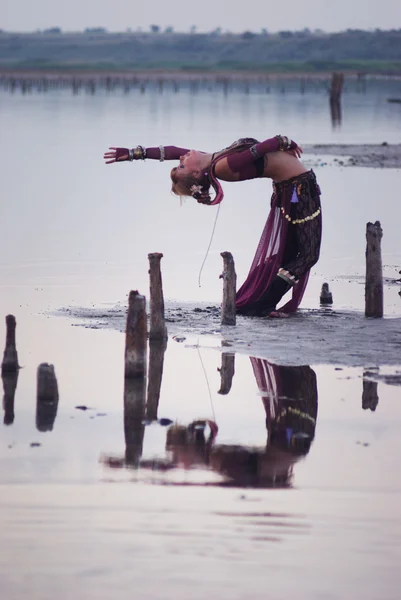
[(289, 395), (290, 242)]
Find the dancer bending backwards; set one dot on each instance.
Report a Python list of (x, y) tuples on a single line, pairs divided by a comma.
[(290, 242)]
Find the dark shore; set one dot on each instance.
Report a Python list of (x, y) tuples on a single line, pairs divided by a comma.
[(359, 155)]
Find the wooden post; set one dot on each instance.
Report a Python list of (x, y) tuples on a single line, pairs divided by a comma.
[(158, 330), (136, 336), (47, 388), (228, 314), (325, 295), (155, 374), (336, 88), (227, 371), (374, 271), (10, 357)]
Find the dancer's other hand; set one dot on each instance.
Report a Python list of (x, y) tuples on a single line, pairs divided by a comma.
[(116, 155)]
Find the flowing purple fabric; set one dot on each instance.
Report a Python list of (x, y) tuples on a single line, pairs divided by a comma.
[(268, 260)]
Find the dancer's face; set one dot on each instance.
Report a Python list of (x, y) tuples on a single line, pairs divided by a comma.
[(190, 164)]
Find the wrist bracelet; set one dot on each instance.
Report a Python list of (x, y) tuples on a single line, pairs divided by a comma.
[(162, 153), (284, 142), (131, 154), (139, 153)]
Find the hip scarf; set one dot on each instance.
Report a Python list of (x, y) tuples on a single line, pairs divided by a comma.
[(294, 217)]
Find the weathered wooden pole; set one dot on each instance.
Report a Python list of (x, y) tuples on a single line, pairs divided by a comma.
[(136, 336), (374, 271), (155, 374), (47, 388), (227, 371), (157, 330), (10, 357), (229, 276), (325, 295), (336, 88)]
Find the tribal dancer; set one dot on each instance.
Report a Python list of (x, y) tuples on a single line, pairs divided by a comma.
[(290, 241)]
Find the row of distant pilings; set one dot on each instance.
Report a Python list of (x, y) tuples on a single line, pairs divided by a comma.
[(91, 83), (137, 322)]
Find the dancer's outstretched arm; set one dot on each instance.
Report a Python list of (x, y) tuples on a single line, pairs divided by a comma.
[(116, 154)]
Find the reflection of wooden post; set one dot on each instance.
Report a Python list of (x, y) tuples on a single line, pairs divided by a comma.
[(47, 397), (136, 336), (47, 389), (134, 412), (155, 374), (9, 385), (374, 272), (228, 315), (370, 398), (10, 357), (158, 329), (226, 372)]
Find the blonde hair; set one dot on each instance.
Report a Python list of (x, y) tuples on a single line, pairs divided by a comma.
[(182, 186)]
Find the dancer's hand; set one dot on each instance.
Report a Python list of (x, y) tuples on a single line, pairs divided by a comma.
[(295, 151), (116, 155)]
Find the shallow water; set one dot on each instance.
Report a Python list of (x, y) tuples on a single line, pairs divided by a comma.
[(99, 507), (102, 507)]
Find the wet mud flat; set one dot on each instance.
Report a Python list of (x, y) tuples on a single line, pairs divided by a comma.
[(311, 336), (383, 155)]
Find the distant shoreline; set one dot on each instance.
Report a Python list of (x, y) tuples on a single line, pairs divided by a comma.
[(186, 74)]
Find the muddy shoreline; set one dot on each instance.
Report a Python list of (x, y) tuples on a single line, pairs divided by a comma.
[(311, 336), (383, 155)]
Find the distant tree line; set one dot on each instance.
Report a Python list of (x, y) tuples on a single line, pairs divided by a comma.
[(96, 48)]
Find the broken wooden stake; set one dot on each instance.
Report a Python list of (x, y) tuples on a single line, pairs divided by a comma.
[(336, 88), (325, 295), (136, 336), (374, 271), (47, 388), (10, 357), (157, 330), (228, 312)]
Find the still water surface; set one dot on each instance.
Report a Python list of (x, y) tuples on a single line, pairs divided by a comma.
[(71, 221)]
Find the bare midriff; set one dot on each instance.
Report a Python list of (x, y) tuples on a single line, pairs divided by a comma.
[(279, 166)]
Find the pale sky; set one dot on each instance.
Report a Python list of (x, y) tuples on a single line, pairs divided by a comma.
[(206, 15)]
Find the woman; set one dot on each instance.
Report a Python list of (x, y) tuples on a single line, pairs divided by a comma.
[(290, 242)]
